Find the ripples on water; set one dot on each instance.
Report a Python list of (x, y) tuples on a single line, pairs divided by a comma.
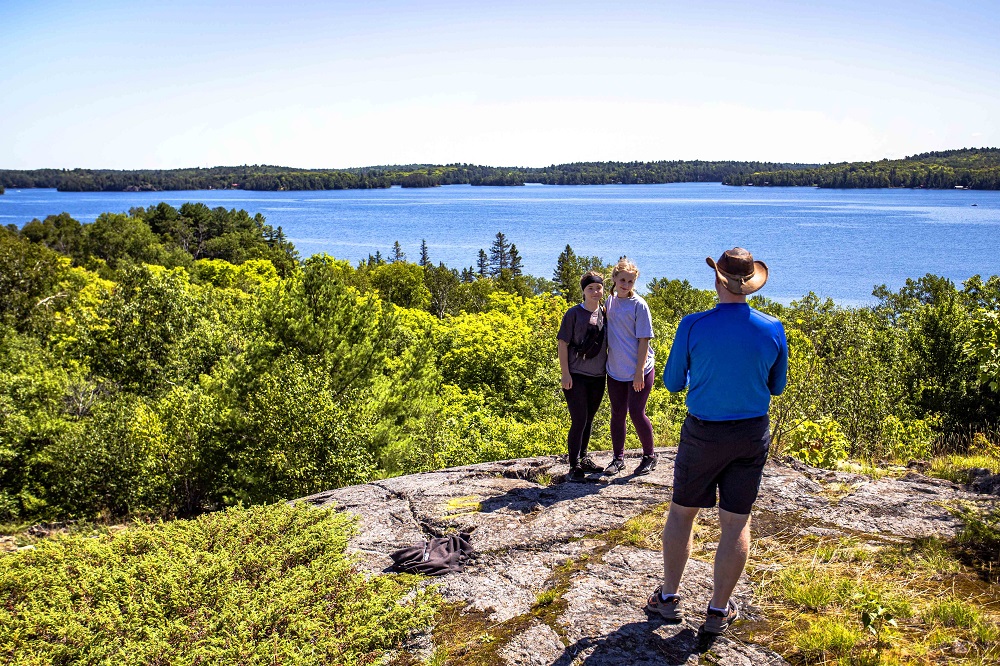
[(838, 243)]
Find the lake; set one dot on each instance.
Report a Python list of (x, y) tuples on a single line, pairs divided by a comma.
[(837, 243)]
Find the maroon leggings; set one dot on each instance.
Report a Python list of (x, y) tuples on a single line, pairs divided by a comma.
[(627, 402)]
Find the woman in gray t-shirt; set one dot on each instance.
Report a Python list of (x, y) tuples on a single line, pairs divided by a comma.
[(583, 355), (630, 367)]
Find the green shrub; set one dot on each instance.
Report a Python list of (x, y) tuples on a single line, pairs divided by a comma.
[(906, 440), (820, 444), (267, 585)]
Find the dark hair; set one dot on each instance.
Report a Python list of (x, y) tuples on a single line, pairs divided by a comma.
[(591, 277)]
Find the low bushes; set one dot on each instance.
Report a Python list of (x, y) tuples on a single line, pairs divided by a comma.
[(265, 585)]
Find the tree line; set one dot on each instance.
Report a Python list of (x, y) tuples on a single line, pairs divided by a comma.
[(273, 178), (969, 168), (172, 361)]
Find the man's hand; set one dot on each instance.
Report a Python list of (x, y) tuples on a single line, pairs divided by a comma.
[(567, 381)]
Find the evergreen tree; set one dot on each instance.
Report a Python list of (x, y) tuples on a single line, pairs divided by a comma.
[(425, 257), (468, 274), (516, 267), (482, 263), (499, 254), (567, 275), (397, 253)]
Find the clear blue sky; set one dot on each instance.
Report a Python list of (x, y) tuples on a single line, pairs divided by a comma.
[(114, 84)]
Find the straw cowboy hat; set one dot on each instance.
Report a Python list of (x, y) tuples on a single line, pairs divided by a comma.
[(738, 272)]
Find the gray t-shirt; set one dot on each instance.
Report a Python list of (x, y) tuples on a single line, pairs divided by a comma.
[(628, 320), (574, 327)]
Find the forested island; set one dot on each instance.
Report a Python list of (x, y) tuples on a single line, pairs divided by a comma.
[(968, 168), (274, 178)]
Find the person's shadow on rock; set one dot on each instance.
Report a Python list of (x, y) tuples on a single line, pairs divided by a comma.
[(527, 500), (639, 643)]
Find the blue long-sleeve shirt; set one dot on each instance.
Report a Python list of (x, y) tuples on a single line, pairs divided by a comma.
[(732, 358)]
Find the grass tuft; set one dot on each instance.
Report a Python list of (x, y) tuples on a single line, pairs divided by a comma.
[(825, 639), (953, 613), (806, 587), (547, 597)]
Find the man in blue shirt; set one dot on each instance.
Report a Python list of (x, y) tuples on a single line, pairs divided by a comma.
[(733, 359)]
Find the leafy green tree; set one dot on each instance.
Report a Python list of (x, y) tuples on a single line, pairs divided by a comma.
[(33, 390), (442, 283), (57, 232), (942, 375), (302, 433), (145, 323), (315, 315), (119, 239), (671, 300), (507, 354), (30, 279), (401, 283), (113, 464)]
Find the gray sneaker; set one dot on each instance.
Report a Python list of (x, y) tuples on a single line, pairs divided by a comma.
[(717, 621), (646, 465), (668, 609), (616, 466)]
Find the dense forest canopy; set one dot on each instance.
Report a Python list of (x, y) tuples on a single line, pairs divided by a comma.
[(273, 178), (970, 168), (175, 360)]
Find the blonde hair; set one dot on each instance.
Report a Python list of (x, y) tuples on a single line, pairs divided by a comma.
[(625, 265)]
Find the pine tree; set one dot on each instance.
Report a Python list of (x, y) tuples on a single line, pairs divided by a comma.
[(425, 257), (516, 267), (483, 263), (397, 253), (567, 275), (468, 274), (378, 258), (499, 254)]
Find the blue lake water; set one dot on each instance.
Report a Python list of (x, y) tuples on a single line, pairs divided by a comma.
[(837, 243)]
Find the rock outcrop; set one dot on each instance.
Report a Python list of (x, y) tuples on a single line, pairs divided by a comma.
[(551, 583)]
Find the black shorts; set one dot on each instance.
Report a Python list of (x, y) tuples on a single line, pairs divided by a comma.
[(728, 455)]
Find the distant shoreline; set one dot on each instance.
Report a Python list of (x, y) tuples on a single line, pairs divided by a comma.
[(968, 168)]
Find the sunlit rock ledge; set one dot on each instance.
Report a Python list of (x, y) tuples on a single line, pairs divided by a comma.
[(535, 533)]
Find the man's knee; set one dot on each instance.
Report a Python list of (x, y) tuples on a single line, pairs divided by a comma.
[(733, 524), (682, 515)]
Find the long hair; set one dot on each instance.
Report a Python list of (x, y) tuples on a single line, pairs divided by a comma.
[(625, 265)]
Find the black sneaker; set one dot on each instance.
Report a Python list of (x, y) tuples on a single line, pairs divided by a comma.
[(576, 474), (588, 465), (646, 465), (616, 466)]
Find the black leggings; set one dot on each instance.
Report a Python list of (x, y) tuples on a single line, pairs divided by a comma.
[(583, 400)]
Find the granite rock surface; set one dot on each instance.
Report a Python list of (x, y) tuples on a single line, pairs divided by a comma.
[(536, 534)]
